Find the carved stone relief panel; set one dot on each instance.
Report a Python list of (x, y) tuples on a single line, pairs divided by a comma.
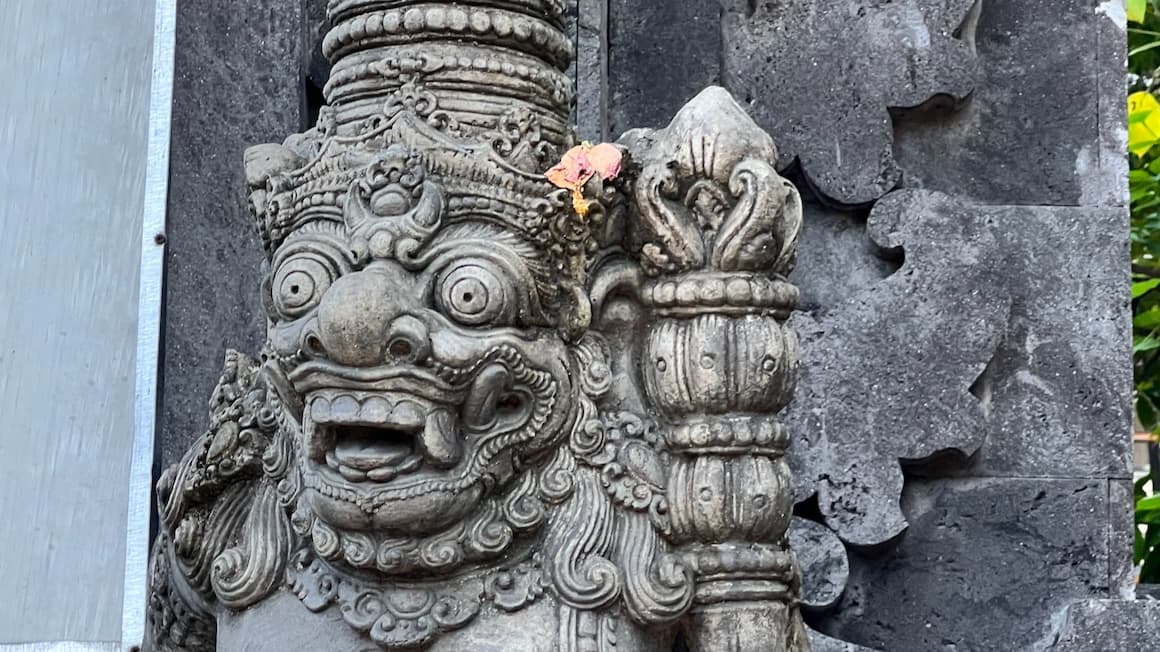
[(489, 413)]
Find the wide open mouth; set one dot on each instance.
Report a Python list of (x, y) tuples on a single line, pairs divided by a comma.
[(379, 435)]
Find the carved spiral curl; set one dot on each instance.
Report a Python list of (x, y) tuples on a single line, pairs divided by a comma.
[(245, 574), (577, 546), (658, 587), (558, 480), (366, 609)]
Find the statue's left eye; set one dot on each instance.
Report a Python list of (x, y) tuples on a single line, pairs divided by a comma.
[(476, 294), (299, 283)]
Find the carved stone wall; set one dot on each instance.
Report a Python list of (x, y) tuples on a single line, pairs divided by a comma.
[(961, 449)]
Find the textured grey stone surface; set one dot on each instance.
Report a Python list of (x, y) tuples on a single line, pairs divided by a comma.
[(661, 54), (1111, 625), (237, 82), (824, 565), (855, 60), (988, 299), (1059, 388), (1045, 124), (1121, 539), (1103, 168), (837, 260), (885, 374), (986, 565), (589, 19)]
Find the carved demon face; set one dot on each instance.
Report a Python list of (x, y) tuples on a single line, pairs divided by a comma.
[(414, 333)]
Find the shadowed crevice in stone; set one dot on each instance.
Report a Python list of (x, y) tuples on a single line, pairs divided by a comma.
[(984, 386)]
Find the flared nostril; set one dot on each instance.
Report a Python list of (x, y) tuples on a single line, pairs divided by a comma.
[(310, 342), (401, 348), (408, 340), (312, 346)]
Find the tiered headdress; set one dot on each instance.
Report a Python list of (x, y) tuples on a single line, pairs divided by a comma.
[(472, 95)]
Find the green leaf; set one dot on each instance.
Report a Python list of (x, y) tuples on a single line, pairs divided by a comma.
[(1146, 411), (1142, 344), (1137, 9), (1150, 572), (1149, 319), (1144, 287), (1148, 504), (1143, 48)]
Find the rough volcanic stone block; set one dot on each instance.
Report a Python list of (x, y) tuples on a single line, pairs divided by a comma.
[(1059, 389), (1109, 625), (589, 20), (836, 259), (1045, 124), (823, 76), (885, 374), (237, 83), (984, 566), (661, 54), (988, 299), (1104, 170), (1121, 531)]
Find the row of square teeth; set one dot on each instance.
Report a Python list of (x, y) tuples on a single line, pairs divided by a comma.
[(380, 474), (346, 409)]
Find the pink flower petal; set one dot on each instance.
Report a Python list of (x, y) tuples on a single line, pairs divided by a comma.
[(577, 166), (605, 159)]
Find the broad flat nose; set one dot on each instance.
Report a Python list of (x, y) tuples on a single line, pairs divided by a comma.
[(362, 321)]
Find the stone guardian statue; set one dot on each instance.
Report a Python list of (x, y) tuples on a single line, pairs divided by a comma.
[(485, 419)]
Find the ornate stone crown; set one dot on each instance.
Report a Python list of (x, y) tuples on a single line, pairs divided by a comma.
[(472, 97), (478, 61)]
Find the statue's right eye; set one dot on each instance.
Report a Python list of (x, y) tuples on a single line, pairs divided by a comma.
[(300, 281), (476, 293)]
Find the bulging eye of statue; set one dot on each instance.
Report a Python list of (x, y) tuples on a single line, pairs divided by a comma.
[(300, 282), (477, 294)]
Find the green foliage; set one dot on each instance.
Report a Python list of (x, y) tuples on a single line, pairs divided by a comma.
[(1144, 184), (1143, 37)]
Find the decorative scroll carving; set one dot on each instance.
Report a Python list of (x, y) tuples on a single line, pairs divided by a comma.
[(437, 446)]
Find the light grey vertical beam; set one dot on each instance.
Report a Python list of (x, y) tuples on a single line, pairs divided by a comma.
[(73, 133), (149, 325)]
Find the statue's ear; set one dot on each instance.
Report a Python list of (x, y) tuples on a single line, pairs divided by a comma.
[(262, 163), (267, 160)]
